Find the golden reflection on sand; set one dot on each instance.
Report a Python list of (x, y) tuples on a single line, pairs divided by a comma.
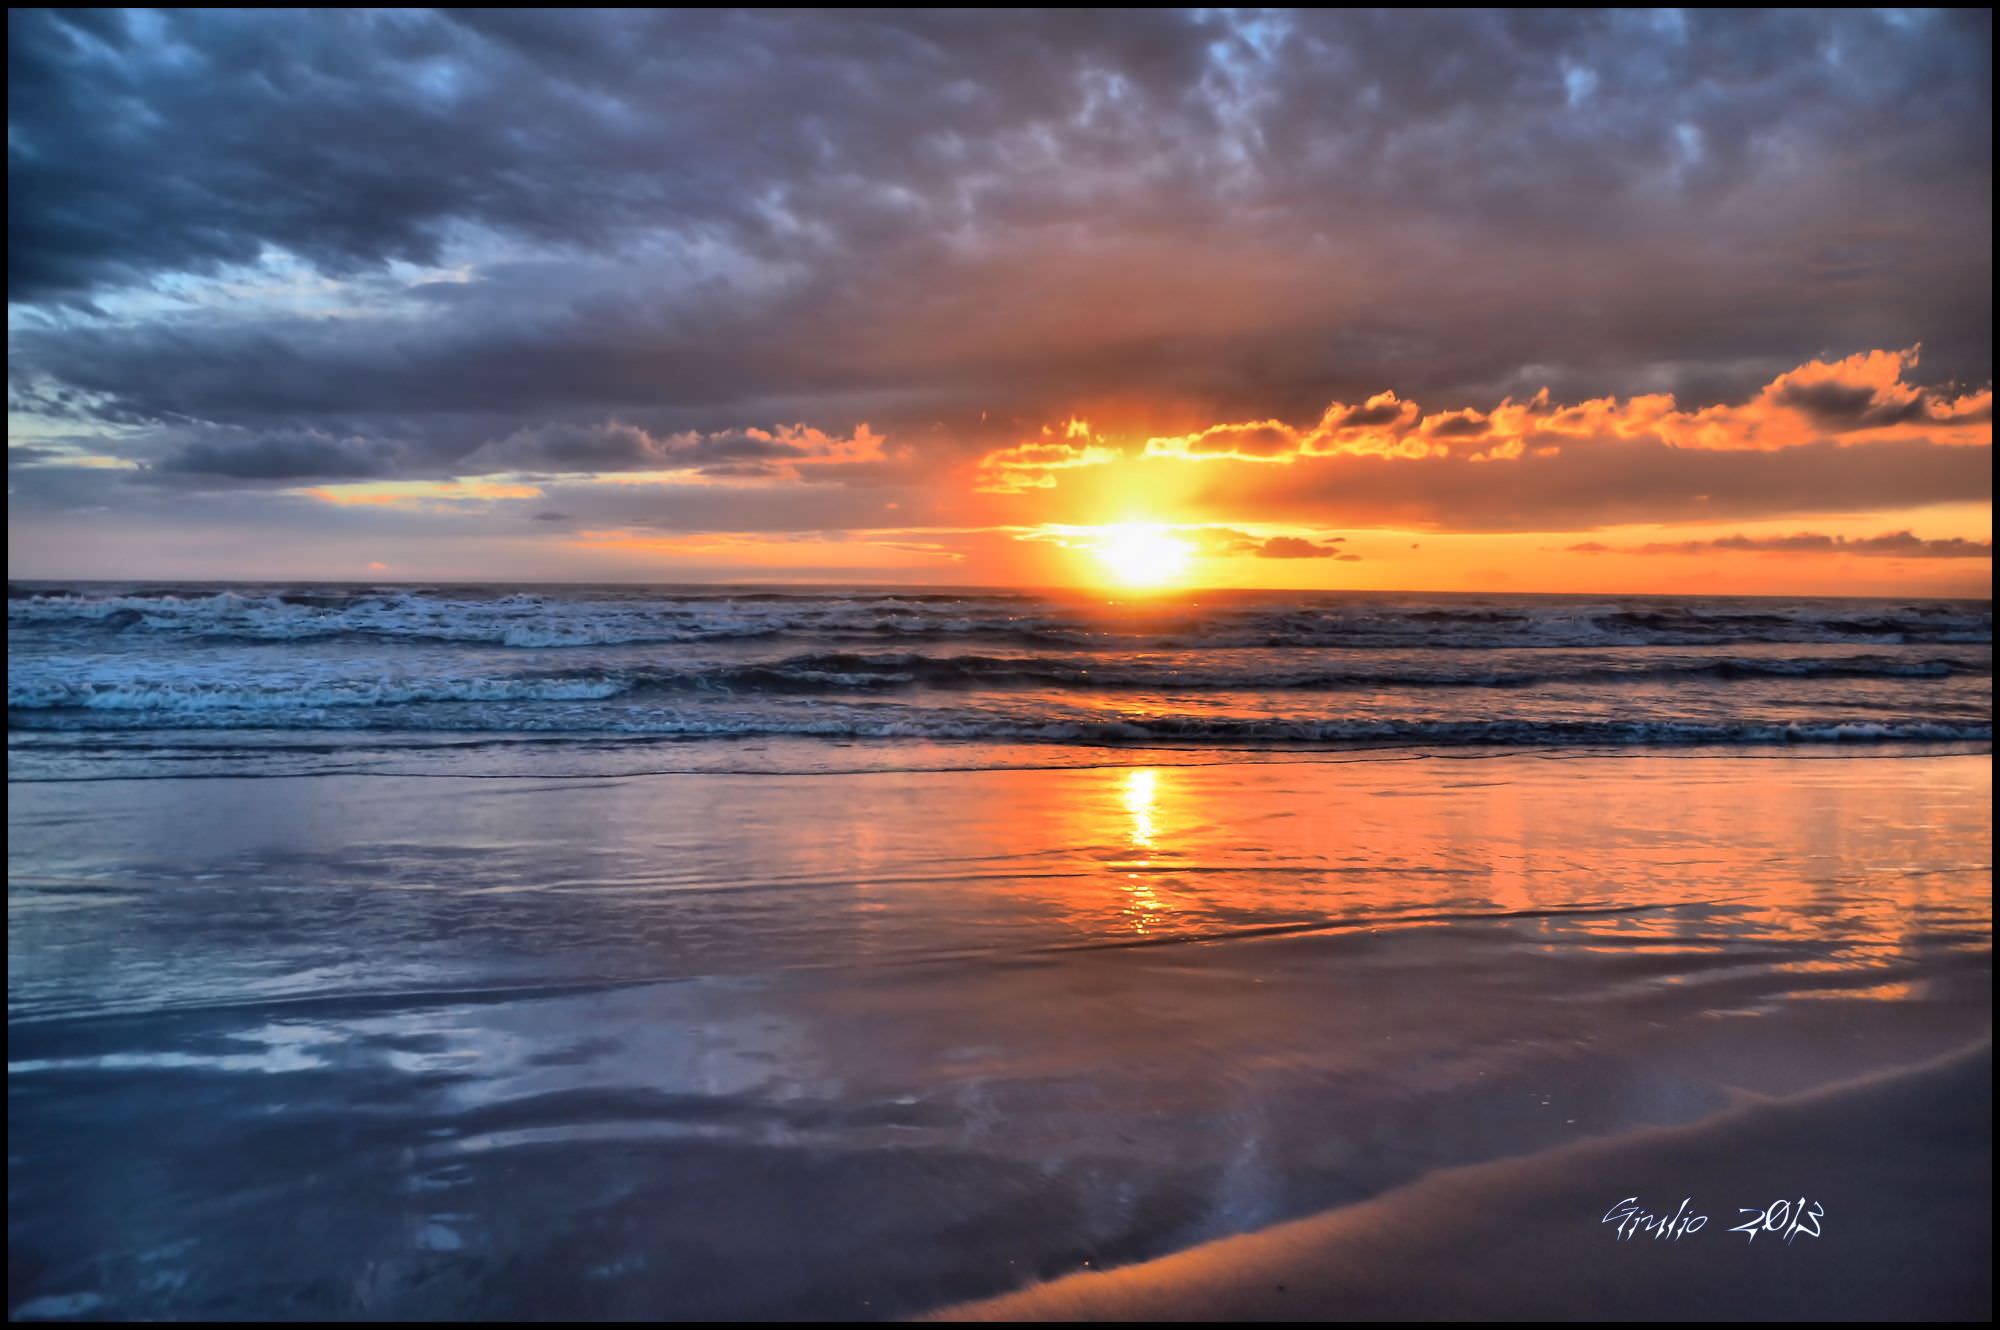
[(1615, 862)]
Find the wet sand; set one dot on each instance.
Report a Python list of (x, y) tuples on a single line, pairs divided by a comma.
[(869, 1043), (1896, 1172)]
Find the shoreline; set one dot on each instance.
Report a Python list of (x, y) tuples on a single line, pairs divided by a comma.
[(615, 1047), (1907, 1227)]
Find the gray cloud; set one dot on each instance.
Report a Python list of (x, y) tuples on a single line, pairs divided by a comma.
[(620, 447), (1839, 407), (287, 456)]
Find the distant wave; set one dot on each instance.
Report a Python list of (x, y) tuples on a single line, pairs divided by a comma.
[(847, 670), (941, 724), (147, 687), (524, 619)]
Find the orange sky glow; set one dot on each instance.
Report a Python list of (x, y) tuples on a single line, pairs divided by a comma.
[(1144, 303), (1380, 494)]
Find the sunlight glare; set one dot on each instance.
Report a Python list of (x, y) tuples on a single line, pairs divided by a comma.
[(1142, 556), (1141, 785)]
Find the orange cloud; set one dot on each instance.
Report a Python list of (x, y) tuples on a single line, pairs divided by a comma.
[(1864, 398), (1379, 427), (864, 445), (1032, 464), (1860, 399), (1256, 441)]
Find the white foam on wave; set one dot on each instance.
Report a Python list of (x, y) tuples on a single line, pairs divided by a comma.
[(276, 698)]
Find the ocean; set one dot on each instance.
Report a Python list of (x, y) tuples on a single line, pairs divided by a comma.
[(179, 679), (451, 951)]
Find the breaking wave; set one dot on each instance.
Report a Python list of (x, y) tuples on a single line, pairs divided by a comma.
[(1227, 669)]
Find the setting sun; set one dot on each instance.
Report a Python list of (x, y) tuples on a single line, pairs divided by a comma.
[(1142, 556)]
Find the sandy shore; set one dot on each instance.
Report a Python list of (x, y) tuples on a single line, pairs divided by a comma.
[(865, 1045), (1900, 1166)]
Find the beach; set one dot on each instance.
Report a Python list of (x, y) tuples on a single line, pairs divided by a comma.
[(879, 1035), (1471, 1243)]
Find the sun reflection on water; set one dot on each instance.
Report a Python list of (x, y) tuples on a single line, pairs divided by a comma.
[(1142, 786), (1143, 906)]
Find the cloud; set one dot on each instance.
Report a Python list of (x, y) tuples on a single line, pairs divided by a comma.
[(283, 455), (1260, 441), (1290, 265), (1032, 464), (1225, 540), (1466, 424), (1053, 203), (1382, 426), (1580, 488), (1538, 464), (1297, 547), (1893, 545), (1863, 398), (436, 496), (614, 446)]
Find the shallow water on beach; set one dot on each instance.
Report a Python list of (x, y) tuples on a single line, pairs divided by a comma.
[(862, 1042)]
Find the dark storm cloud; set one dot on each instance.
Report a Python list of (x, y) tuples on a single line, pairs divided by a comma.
[(289, 456), (635, 235), (184, 141)]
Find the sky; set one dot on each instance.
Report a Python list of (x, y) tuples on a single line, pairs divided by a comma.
[(1664, 301)]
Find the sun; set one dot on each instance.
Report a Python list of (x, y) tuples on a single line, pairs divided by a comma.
[(1142, 556)]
